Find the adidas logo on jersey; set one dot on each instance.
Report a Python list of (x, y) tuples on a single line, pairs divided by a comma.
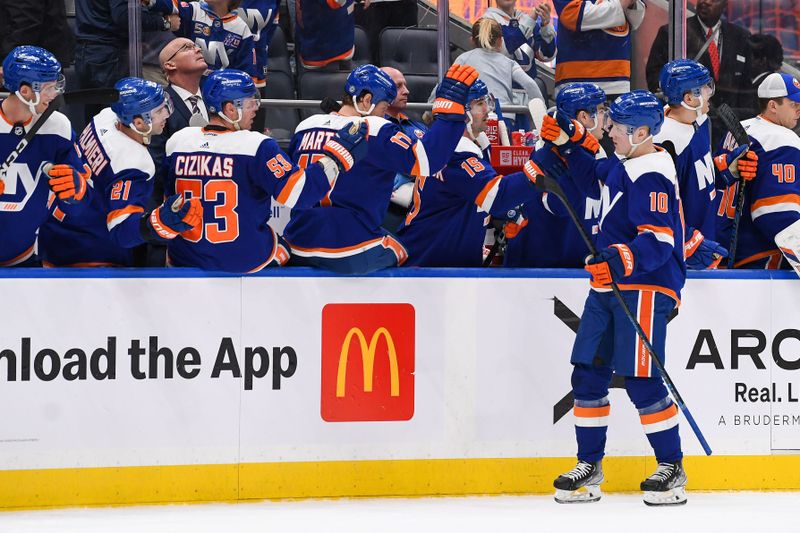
[(204, 145)]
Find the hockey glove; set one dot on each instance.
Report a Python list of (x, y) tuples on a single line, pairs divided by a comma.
[(348, 146), (562, 131), (68, 184), (174, 216), (611, 264), (702, 253), (452, 93), (532, 171), (548, 159), (739, 163)]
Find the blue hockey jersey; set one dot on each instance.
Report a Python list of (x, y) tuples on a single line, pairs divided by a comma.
[(594, 42), (24, 202), (104, 233), (549, 238), (235, 174), (348, 220), (641, 208), (695, 169), (324, 31), (226, 42), (445, 227), (261, 17), (772, 199)]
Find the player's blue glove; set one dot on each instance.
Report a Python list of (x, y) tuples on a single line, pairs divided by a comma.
[(174, 217), (610, 264), (741, 161), (348, 146), (702, 253), (452, 93), (550, 161), (68, 184)]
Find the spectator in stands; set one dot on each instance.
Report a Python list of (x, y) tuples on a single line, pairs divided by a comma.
[(524, 37), (324, 32), (767, 58), (153, 42), (496, 70), (375, 15), (728, 58), (183, 65), (38, 23), (224, 38), (403, 183), (594, 42), (101, 53), (780, 18)]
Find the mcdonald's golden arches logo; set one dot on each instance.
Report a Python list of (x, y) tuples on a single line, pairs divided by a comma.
[(367, 362)]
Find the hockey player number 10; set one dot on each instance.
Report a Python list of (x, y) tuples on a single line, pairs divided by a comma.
[(659, 202), (226, 193)]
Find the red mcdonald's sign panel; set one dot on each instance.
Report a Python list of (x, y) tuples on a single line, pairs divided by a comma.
[(367, 362)]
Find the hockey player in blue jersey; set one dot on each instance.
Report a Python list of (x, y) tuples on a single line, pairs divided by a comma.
[(114, 144), (688, 88), (235, 173), (444, 228), (343, 233), (641, 249), (547, 238), (224, 38), (769, 229), (33, 75)]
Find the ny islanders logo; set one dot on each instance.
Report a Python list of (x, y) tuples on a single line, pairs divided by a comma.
[(367, 362), (20, 184)]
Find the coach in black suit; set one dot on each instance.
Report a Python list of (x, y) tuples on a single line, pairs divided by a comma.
[(728, 58), (183, 65)]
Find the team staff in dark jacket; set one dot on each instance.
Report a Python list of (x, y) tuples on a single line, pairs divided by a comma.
[(40, 23)]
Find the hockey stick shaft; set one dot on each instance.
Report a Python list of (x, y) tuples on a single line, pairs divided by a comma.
[(100, 96), (551, 185), (731, 122)]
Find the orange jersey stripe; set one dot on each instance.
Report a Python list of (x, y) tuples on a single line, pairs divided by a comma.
[(761, 255), (338, 250), (127, 210), (617, 68), (322, 63), (660, 416), (655, 288), (570, 13), (287, 189), (655, 229), (646, 321), (18, 259), (774, 200), (482, 195)]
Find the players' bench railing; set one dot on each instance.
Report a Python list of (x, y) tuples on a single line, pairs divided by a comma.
[(414, 106)]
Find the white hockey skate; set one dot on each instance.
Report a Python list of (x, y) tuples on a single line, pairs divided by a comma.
[(667, 485), (581, 484)]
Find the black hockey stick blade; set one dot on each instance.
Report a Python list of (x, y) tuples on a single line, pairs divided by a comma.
[(731, 122)]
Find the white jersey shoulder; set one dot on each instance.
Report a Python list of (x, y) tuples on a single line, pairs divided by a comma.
[(329, 121), (659, 162), (198, 139), (770, 135), (123, 152), (676, 132), (466, 146)]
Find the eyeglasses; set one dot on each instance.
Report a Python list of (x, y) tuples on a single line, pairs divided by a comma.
[(185, 48)]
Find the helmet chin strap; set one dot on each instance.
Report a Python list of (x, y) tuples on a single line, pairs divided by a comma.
[(362, 112), (31, 105), (469, 126), (145, 134), (634, 145), (236, 122), (698, 110)]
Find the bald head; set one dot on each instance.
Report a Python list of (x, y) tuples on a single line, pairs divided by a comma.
[(401, 101), (180, 58)]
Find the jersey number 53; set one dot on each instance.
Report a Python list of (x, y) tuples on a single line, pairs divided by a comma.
[(225, 193)]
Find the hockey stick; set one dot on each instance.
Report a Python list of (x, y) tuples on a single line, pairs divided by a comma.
[(551, 185), (538, 109), (731, 122), (86, 96)]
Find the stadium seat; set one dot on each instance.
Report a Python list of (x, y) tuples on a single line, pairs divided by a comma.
[(281, 121), (409, 50), (419, 89), (278, 54), (316, 85), (362, 54)]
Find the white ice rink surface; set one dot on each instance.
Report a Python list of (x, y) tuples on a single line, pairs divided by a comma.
[(717, 512)]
